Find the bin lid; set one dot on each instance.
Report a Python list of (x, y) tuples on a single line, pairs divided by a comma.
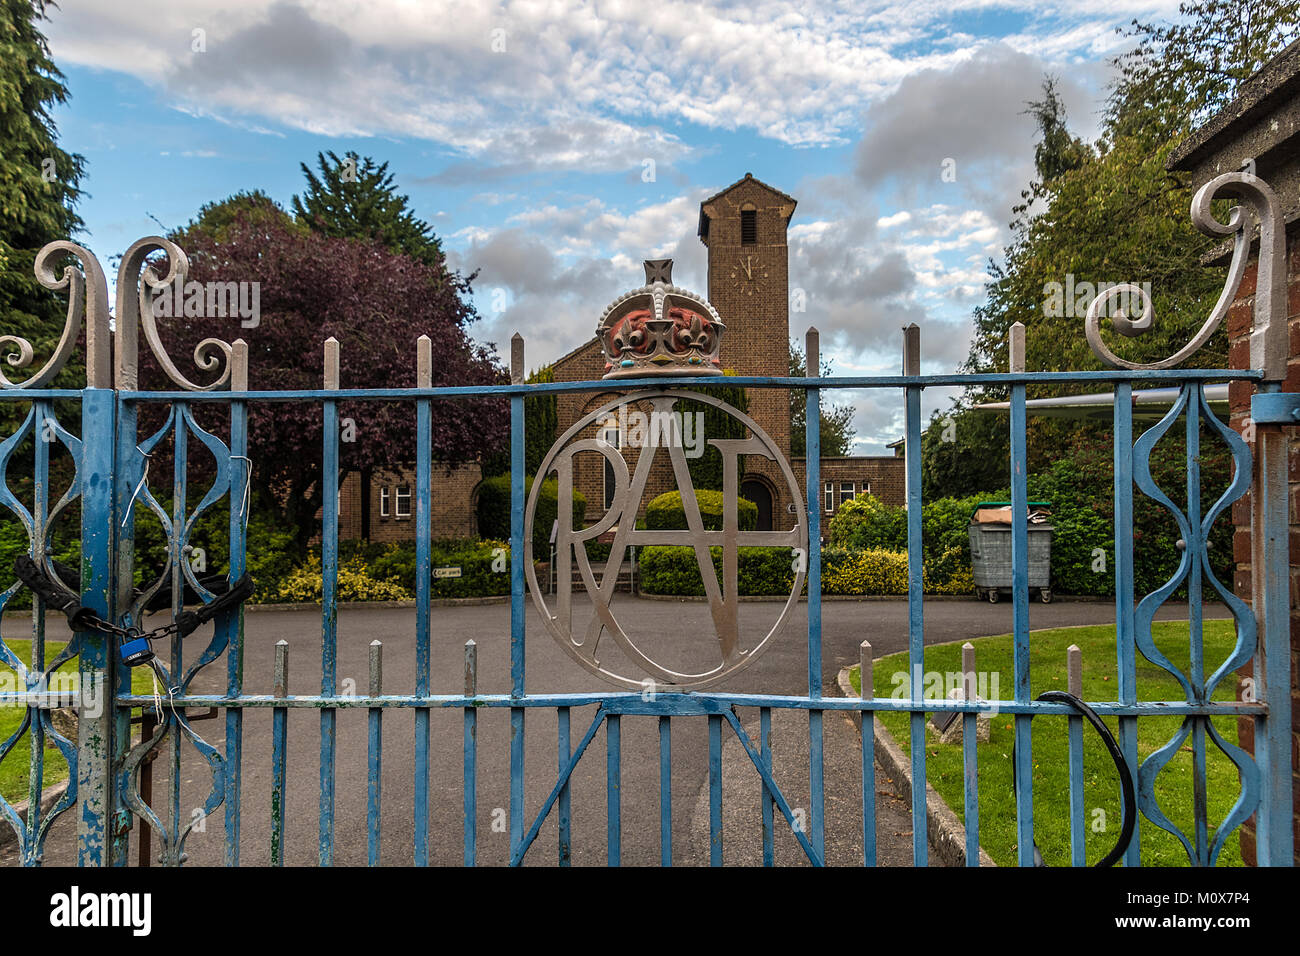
[(999, 513)]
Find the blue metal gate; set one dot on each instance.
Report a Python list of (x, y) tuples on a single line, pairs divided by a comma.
[(111, 458)]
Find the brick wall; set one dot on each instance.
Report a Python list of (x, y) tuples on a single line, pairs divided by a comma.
[(1240, 317), (883, 477), (451, 503)]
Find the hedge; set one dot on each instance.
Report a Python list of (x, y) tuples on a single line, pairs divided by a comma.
[(665, 513), (767, 571), (493, 511)]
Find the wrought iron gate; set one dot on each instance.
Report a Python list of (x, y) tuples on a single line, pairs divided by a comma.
[(111, 459)]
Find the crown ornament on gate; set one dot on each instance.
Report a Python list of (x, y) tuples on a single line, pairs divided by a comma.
[(660, 329)]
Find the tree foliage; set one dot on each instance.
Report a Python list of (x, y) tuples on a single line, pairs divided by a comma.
[(1111, 212), (376, 303), (964, 452), (353, 198), (706, 470), (836, 432), (38, 180)]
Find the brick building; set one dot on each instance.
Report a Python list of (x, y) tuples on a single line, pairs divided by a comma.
[(1260, 131), (744, 228)]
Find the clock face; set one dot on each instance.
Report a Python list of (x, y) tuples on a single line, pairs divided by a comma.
[(748, 274)]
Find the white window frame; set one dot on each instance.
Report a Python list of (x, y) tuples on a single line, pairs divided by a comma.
[(829, 497), (383, 501), (397, 502), (852, 489)]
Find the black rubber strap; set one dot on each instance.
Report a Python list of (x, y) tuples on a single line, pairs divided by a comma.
[(1125, 777), (240, 591), (54, 596), (79, 617)]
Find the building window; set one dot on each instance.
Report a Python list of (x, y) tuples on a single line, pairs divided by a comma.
[(830, 497), (748, 227), (610, 437), (403, 501), (846, 491), (383, 502)]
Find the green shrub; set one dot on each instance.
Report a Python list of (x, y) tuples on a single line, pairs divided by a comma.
[(866, 522), (674, 570), (665, 513), (493, 511), (765, 571)]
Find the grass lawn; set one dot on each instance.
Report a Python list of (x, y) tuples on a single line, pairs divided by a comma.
[(15, 766), (1050, 744)]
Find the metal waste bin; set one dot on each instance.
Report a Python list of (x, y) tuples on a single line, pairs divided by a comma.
[(990, 549)]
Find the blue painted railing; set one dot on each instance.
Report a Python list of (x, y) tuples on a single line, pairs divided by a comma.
[(111, 478), (111, 456)]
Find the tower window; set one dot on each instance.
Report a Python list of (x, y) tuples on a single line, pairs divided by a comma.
[(748, 227)]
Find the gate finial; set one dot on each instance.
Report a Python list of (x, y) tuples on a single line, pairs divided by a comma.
[(1268, 337), (87, 295)]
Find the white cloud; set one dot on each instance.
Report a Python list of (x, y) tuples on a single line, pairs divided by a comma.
[(523, 85)]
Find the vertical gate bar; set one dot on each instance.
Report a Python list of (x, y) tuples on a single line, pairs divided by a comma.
[(866, 675), (1074, 723), (423, 590), (812, 441), (240, 477), (1270, 600), (42, 426), (374, 782), (715, 790), (915, 593), (564, 752), (970, 758), (1024, 763), (127, 468), (279, 742), (471, 755), (1193, 548), (516, 594), (613, 789), (766, 804), (175, 561), (147, 727), (1125, 608), (329, 598), (665, 791)]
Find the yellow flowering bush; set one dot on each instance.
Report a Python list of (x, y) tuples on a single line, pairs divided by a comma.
[(870, 571), (303, 584)]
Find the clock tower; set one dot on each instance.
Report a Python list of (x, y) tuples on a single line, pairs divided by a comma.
[(744, 228)]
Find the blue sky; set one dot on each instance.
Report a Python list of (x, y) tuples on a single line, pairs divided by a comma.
[(554, 146)]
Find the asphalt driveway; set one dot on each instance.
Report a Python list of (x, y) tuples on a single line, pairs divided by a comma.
[(781, 670)]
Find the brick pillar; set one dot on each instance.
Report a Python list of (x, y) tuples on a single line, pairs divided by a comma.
[(1259, 131), (1239, 325)]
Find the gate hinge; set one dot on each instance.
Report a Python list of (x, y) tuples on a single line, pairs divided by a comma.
[(1275, 408)]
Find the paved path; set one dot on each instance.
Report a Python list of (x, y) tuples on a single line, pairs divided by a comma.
[(781, 670)]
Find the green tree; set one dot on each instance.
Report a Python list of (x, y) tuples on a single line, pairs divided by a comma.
[(964, 452), (541, 421), (38, 180), (218, 219), (706, 470), (837, 431), (353, 198), (1112, 212), (1182, 71)]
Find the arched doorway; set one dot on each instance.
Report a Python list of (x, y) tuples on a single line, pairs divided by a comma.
[(757, 492)]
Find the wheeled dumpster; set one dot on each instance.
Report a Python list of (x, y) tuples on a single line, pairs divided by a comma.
[(990, 549)]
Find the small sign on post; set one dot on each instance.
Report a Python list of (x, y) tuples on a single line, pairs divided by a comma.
[(446, 572)]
